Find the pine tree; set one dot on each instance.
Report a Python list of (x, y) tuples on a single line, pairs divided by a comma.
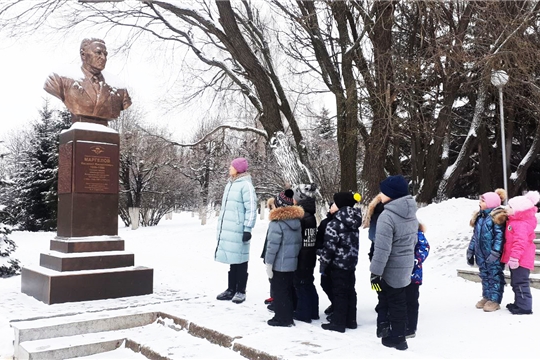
[(326, 126), (8, 265), (36, 178)]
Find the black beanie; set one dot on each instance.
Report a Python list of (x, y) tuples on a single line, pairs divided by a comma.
[(395, 187), (342, 199), (284, 198)]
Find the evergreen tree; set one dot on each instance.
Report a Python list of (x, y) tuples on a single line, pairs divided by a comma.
[(35, 180), (326, 125), (8, 265)]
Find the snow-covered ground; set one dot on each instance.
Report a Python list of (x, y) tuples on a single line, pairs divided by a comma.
[(186, 281)]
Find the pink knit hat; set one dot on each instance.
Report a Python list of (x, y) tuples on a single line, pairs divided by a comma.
[(240, 164), (491, 199), (524, 202)]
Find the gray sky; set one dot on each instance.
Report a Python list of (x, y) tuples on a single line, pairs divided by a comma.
[(26, 62)]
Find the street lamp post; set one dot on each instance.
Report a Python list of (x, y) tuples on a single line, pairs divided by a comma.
[(499, 78)]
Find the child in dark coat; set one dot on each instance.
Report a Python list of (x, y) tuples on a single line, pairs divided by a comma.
[(340, 253), (307, 306), (283, 242)]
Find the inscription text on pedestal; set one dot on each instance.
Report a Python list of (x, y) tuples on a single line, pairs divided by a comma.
[(96, 168)]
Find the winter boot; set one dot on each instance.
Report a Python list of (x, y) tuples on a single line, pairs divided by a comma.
[(296, 317), (226, 295), (511, 306), (491, 306), (399, 343), (275, 322), (268, 301), (480, 304), (516, 310), (333, 327), (239, 298), (383, 329)]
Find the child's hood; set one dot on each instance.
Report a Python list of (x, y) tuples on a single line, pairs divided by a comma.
[(349, 216), (404, 207), (529, 214), (286, 213)]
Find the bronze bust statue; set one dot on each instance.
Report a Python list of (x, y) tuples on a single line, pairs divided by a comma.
[(89, 96)]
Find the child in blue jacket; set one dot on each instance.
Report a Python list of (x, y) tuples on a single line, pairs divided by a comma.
[(421, 252), (486, 247)]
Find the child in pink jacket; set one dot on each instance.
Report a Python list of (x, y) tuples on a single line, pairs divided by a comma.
[(519, 249)]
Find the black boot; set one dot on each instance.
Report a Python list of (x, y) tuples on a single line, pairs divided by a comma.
[(333, 327), (399, 343), (231, 289)]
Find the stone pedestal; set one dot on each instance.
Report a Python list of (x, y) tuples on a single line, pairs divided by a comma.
[(87, 260)]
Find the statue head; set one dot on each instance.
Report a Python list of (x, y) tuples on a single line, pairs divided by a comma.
[(93, 55)]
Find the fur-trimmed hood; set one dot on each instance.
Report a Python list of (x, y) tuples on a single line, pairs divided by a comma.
[(371, 209), (286, 213), (498, 214)]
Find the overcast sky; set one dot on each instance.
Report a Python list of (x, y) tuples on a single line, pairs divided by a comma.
[(27, 61)]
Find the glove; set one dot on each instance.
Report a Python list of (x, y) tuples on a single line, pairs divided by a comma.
[(246, 237), (376, 281), (269, 271), (322, 269), (513, 263), (493, 256), (470, 257)]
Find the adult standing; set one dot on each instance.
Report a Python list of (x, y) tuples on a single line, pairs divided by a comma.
[(393, 259), (236, 219)]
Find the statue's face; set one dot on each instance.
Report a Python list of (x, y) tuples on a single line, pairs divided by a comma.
[(96, 56)]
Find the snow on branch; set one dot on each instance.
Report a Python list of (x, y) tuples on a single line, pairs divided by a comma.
[(206, 136)]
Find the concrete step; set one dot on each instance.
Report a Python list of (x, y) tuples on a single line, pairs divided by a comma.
[(62, 326), (472, 274), (537, 256), (70, 346), (537, 242)]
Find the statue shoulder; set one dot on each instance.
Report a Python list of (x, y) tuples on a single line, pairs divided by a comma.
[(54, 85)]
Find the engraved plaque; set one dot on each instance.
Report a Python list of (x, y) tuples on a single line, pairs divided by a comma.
[(64, 168), (96, 167)]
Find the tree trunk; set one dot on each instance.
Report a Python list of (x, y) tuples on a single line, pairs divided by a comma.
[(134, 217), (381, 102)]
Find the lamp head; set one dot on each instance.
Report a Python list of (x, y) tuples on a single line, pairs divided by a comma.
[(499, 78)]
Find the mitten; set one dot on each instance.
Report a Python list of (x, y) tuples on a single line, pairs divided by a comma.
[(322, 269), (470, 257), (376, 281), (513, 263), (493, 256), (269, 271), (246, 236)]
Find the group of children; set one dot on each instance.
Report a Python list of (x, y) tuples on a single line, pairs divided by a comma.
[(396, 260), (504, 235)]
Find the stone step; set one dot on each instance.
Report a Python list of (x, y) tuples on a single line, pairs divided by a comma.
[(537, 256), (52, 287), (537, 243), (70, 347), (87, 244), (472, 274), (35, 336), (86, 261)]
